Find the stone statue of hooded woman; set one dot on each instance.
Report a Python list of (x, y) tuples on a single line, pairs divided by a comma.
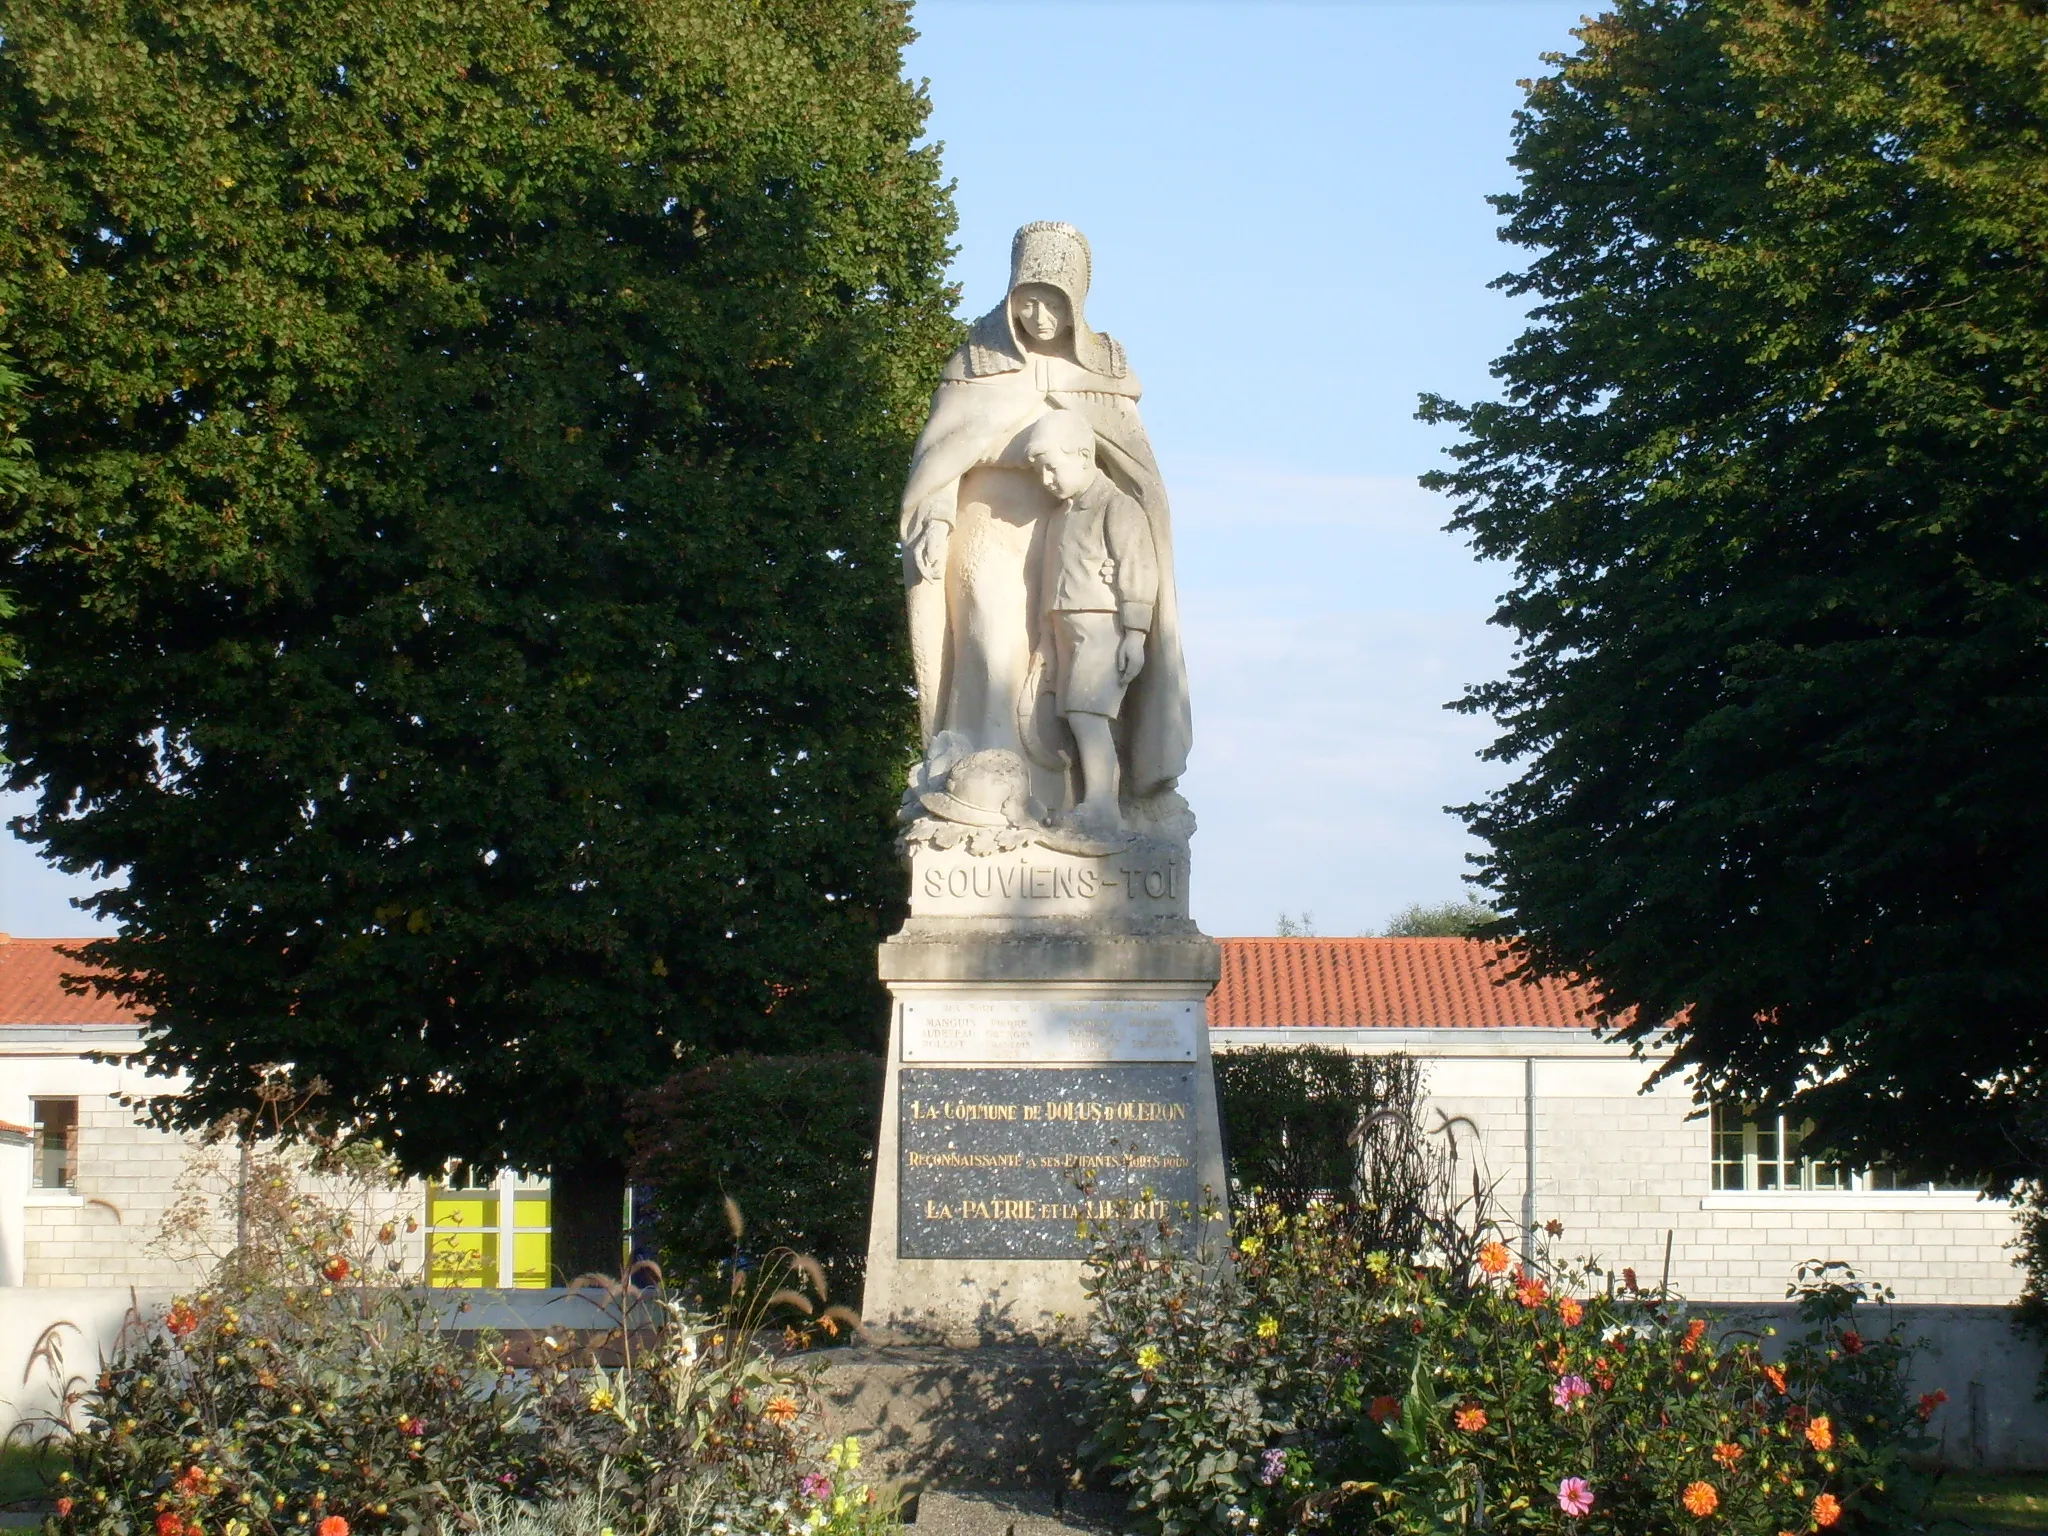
[(975, 520)]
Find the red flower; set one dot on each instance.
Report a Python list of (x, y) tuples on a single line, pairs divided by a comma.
[(1531, 1292), (1493, 1258), (1383, 1409), (1827, 1509), (337, 1270), (191, 1481), (1929, 1401), (1775, 1377), (1554, 1227), (1569, 1310), (180, 1320), (333, 1525), (1852, 1343), (63, 1507), (170, 1523), (1694, 1332), (1628, 1279)]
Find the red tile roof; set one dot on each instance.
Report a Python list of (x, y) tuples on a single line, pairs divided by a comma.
[(32, 990), (1386, 984), (1267, 984)]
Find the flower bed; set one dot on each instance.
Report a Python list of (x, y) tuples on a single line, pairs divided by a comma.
[(1313, 1384), (342, 1410)]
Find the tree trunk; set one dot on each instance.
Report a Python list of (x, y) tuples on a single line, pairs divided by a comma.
[(589, 1219)]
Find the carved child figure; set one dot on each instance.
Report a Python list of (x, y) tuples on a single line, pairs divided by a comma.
[(1100, 581)]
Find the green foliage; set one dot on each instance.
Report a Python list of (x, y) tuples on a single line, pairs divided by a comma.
[(284, 1409), (698, 1425), (1443, 920), (312, 1389), (1315, 1384), (458, 587), (1304, 1125), (266, 1408), (789, 1140), (1769, 464), (17, 474)]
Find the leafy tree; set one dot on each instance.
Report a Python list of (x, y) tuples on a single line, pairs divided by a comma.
[(1771, 462), (1441, 920), (1287, 926), (17, 473), (459, 588)]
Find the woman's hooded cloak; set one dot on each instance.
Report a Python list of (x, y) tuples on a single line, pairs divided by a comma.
[(992, 390)]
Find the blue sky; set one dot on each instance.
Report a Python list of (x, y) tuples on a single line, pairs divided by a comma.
[(1287, 206)]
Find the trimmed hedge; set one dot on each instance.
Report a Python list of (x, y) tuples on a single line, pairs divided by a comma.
[(789, 1139), (1293, 1116)]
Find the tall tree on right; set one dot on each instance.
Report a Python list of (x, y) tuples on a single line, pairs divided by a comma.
[(1771, 465)]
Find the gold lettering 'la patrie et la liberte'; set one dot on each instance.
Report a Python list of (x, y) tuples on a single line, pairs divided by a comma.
[(1047, 1210), (1050, 1110)]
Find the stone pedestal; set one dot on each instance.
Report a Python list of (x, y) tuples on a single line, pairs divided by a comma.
[(1048, 1067)]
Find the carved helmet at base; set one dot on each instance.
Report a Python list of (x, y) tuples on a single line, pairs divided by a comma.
[(990, 788)]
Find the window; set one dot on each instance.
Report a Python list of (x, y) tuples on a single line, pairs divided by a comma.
[(1755, 1151), (56, 1144), (488, 1230)]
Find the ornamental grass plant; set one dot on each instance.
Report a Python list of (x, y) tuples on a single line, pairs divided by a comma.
[(1315, 1384)]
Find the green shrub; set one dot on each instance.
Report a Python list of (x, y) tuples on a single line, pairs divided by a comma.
[(789, 1140), (1312, 1384), (1461, 919), (277, 1412)]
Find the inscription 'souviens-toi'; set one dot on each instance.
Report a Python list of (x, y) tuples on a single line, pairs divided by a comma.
[(1026, 881), (1008, 1162)]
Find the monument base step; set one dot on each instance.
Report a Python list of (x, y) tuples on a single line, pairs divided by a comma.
[(1016, 1513), (997, 1416)]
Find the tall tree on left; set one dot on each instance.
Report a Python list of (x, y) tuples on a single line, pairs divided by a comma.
[(456, 584)]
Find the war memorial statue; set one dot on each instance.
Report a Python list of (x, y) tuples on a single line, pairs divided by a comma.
[(1048, 1058)]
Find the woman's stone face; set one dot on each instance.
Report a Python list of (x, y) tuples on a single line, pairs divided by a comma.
[(1040, 312)]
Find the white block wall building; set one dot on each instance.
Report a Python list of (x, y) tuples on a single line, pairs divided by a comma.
[(1557, 1120), (1565, 1130), (85, 1188)]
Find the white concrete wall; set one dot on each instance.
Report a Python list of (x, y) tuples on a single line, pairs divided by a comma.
[(54, 1338), (109, 1230), (101, 1234), (1989, 1371), (1622, 1169)]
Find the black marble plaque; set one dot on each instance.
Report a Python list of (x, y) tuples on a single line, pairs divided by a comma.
[(1007, 1162)]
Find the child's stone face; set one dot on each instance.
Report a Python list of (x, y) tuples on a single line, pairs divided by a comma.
[(1065, 471), (1041, 311)]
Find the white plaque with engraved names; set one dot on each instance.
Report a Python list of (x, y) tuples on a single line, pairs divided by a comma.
[(1047, 1030)]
